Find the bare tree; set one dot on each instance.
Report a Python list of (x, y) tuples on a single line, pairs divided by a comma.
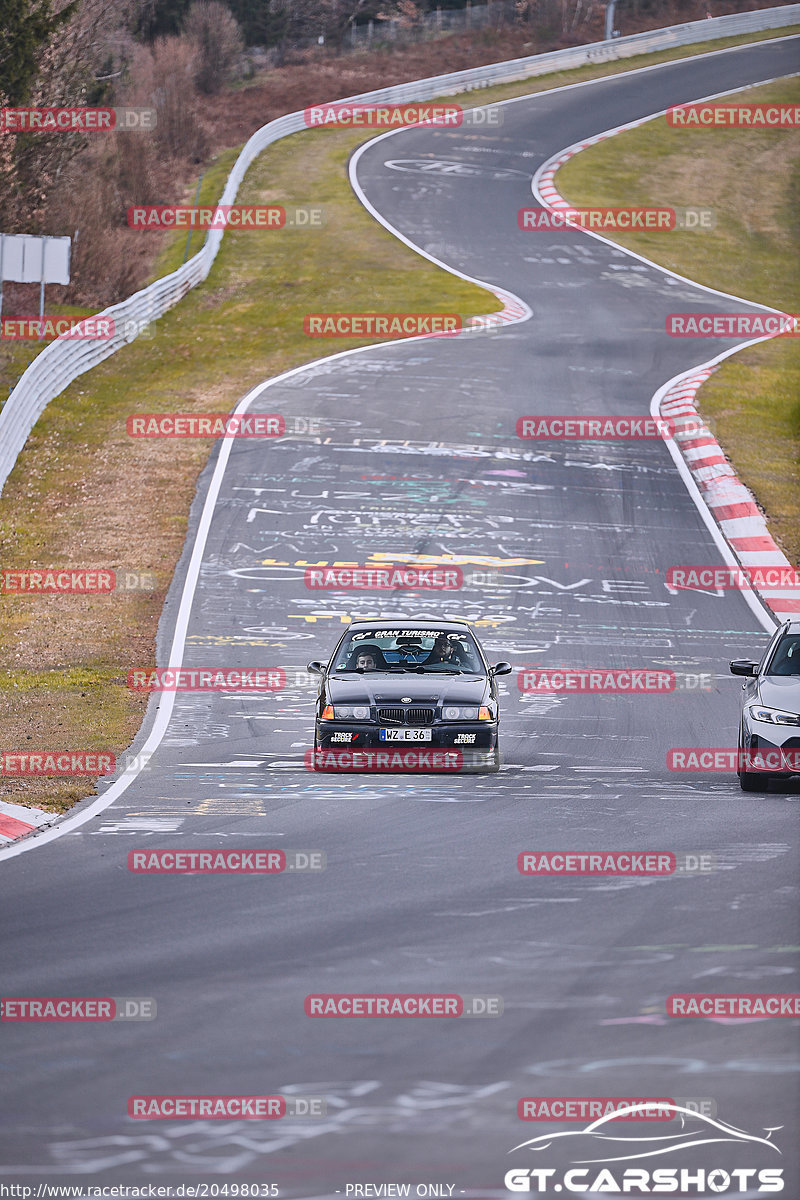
[(213, 29)]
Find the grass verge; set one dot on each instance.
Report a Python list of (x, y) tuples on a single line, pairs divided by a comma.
[(751, 179)]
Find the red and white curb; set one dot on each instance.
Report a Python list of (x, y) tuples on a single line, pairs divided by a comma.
[(16, 821), (732, 505), (514, 309)]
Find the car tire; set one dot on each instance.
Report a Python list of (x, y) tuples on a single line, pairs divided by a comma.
[(749, 782), (493, 764)]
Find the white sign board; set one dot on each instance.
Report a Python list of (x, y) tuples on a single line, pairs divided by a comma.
[(28, 259)]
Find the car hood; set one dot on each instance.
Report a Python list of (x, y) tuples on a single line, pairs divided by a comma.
[(422, 689), (780, 691)]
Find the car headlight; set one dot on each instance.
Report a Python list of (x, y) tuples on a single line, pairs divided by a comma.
[(773, 716), (343, 712), (453, 713)]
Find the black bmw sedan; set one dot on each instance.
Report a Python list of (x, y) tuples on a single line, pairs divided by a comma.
[(404, 683)]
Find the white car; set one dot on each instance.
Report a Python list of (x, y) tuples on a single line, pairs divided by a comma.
[(769, 736)]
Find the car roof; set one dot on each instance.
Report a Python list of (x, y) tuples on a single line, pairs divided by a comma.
[(406, 623)]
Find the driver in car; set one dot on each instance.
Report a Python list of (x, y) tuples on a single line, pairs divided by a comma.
[(366, 660), (445, 650)]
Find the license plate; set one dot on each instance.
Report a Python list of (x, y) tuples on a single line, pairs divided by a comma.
[(405, 735)]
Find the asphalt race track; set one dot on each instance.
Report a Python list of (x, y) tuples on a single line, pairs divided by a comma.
[(419, 456)]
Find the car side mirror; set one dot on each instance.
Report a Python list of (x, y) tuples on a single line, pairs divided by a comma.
[(316, 668), (501, 668), (741, 666)]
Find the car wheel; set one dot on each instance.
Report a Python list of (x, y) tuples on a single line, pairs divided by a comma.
[(492, 764), (749, 782)]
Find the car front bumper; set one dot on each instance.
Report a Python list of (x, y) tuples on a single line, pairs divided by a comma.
[(464, 736), (774, 751)]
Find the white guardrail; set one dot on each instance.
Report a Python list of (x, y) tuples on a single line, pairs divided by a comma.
[(63, 361)]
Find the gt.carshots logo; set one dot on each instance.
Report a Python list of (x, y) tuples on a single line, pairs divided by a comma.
[(589, 1147)]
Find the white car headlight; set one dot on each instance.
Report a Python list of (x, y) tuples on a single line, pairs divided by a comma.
[(452, 713), (342, 714), (361, 713), (773, 716)]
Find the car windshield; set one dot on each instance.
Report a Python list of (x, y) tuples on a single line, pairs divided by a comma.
[(786, 656), (422, 650)]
